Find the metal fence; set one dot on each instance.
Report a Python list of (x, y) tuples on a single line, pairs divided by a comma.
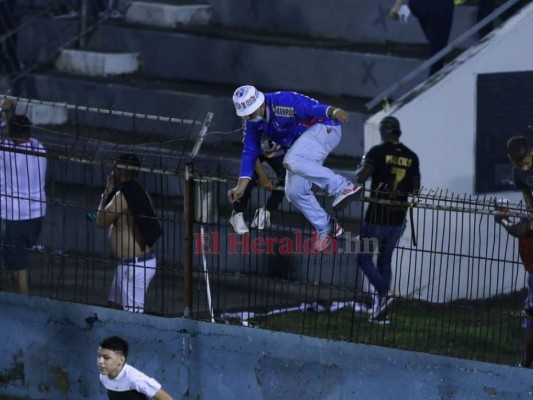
[(459, 283), (458, 280)]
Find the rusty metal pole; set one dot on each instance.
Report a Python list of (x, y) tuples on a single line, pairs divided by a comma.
[(188, 213), (189, 217)]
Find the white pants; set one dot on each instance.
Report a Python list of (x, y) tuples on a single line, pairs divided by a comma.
[(130, 283), (303, 162)]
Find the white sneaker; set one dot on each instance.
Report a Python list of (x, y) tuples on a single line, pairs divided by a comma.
[(380, 307), (346, 195), (237, 221), (261, 219), (323, 239)]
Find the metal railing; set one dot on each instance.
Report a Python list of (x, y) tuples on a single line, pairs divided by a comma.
[(459, 284)]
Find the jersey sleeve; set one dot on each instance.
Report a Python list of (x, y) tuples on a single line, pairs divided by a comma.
[(251, 150), (146, 385), (371, 158), (416, 167), (307, 107)]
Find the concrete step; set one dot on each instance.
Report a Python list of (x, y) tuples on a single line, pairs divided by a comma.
[(353, 20), (167, 15), (175, 99), (233, 58), (41, 114), (96, 63)]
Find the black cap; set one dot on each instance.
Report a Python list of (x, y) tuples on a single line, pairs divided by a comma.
[(390, 125)]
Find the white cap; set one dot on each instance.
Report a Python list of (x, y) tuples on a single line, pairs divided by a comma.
[(247, 99)]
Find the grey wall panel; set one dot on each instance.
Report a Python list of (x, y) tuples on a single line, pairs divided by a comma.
[(353, 20), (306, 69), (187, 56)]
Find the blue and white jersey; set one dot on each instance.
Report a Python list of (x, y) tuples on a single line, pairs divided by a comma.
[(287, 116)]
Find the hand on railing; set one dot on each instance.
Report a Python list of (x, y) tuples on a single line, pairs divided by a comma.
[(503, 206)]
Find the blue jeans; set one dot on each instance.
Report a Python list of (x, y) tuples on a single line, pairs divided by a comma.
[(303, 162), (387, 237)]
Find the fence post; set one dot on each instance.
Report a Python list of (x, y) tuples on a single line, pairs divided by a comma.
[(188, 213)]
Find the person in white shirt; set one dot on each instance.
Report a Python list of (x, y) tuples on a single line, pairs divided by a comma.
[(121, 380), (22, 197)]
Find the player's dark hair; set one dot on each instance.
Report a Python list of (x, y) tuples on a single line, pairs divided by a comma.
[(129, 159), (19, 127), (518, 148), (115, 343), (390, 126)]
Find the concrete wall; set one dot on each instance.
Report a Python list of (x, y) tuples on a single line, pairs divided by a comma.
[(226, 60), (353, 20), (49, 352), (439, 123)]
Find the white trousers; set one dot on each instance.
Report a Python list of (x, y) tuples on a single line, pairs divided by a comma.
[(304, 163), (130, 284)]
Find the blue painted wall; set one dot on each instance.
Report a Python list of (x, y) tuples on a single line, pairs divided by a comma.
[(49, 352)]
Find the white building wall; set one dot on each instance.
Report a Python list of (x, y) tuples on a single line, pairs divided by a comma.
[(438, 121)]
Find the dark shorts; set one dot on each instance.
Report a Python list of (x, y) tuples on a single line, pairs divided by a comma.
[(18, 237)]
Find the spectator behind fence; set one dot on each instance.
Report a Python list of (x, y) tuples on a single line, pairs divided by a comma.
[(22, 196), (394, 170), (435, 18), (520, 153), (9, 61), (522, 230), (271, 153), (309, 131), (133, 229), (121, 380)]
